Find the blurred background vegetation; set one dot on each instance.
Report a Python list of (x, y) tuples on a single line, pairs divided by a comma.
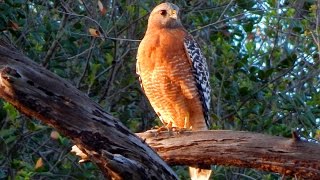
[(263, 58)]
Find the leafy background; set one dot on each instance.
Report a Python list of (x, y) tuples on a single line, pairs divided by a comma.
[(263, 58)]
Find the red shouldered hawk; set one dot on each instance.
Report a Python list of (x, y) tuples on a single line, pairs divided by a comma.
[(174, 74)]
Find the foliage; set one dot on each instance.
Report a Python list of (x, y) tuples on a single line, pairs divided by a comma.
[(263, 58)]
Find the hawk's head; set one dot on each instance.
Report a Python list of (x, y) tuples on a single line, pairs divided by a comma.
[(165, 15)]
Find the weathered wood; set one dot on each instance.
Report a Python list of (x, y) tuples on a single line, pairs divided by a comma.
[(290, 157), (39, 93)]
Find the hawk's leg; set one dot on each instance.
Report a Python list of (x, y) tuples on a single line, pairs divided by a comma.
[(187, 121), (186, 125)]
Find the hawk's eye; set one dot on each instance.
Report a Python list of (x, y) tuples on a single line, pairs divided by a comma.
[(163, 12)]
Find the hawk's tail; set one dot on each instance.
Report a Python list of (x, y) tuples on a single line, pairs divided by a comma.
[(199, 174)]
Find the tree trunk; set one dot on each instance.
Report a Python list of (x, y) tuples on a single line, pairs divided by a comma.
[(119, 153)]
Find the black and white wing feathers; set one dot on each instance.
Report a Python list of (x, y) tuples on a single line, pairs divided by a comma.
[(201, 74)]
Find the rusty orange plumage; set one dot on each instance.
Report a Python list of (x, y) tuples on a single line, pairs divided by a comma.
[(173, 72)]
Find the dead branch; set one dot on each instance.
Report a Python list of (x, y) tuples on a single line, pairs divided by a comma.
[(38, 93), (290, 157)]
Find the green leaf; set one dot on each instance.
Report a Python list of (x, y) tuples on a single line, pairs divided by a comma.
[(7, 132), (77, 25), (287, 62), (11, 111), (10, 139), (244, 91), (248, 27)]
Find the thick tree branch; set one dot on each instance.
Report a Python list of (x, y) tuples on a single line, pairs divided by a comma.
[(291, 157), (39, 93)]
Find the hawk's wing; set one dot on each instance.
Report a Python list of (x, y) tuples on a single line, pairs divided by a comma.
[(200, 72)]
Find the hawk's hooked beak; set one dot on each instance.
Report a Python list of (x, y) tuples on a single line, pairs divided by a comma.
[(173, 14)]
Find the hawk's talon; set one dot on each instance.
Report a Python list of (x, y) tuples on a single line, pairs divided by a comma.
[(179, 130), (163, 128)]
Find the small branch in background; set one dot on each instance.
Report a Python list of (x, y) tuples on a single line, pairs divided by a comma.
[(86, 7), (79, 54), (110, 38), (54, 44), (111, 78), (247, 98), (315, 32), (87, 61), (89, 18), (317, 27), (238, 17), (225, 9), (107, 69)]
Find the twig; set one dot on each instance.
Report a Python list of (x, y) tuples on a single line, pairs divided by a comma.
[(317, 27), (87, 62), (106, 70), (240, 16), (106, 37), (93, 20), (80, 54), (55, 42), (256, 91), (225, 9)]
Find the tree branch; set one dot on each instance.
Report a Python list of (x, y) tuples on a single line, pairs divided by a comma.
[(54, 44), (290, 157), (38, 93)]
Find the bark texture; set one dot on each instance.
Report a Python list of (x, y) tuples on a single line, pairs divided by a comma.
[(290, 157), (41, 94)]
